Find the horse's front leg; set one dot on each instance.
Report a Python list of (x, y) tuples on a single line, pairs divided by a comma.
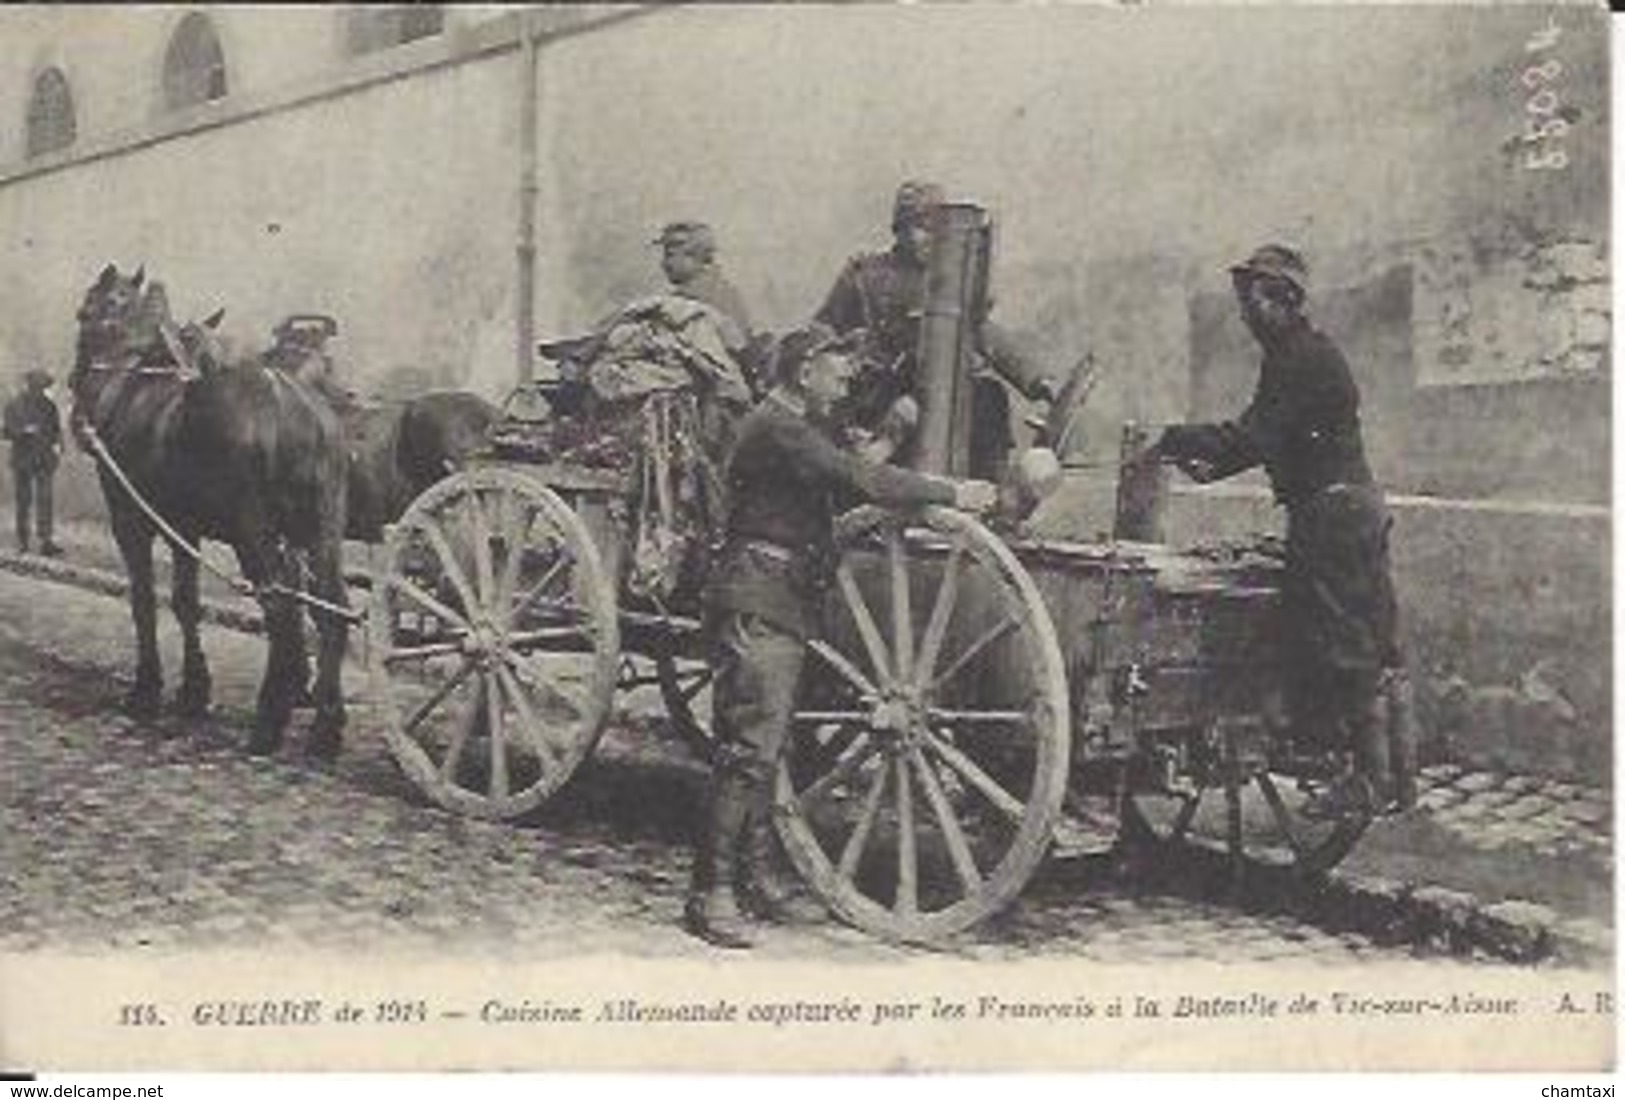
[(192, 701), (134, 539), (327, 574), (263, 565)]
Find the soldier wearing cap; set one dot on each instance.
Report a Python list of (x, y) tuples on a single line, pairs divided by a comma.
[(33, 426), (784, 477), (299, 350), (883, 294), (688, 257), (1345, 682)]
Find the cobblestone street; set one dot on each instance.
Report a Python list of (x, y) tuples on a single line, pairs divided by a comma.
[(133, 839)]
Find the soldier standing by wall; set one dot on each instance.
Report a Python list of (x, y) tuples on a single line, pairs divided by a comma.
[(1346, 682), (34, 428), (883, 293), (783, 478)]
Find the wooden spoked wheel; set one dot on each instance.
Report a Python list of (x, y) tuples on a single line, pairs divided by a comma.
[(685, 688), (1265, 823), (932, 737), (1251, 813), (493, 642)]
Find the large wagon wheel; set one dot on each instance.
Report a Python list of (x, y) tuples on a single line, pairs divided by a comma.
[(493, 642), (932, 750), (685, 689), (1245, 809)]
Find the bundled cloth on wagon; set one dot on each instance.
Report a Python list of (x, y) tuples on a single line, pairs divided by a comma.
[(653, 393)]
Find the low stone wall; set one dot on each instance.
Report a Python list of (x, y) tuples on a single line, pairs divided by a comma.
[(1506, 611)]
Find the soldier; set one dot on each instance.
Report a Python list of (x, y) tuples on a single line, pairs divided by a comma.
[(782, 476), (299, 350), (1345, 677), (688, 257), (34, 428), (883, 293)]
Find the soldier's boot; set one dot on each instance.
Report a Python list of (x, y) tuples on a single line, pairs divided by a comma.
[(764, 894), (1402, 736), (1369, 741), (47, 522), (1364, 791), (711, 912), (1349, 796)]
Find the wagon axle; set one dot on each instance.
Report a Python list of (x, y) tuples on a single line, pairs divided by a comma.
[(898, 716)]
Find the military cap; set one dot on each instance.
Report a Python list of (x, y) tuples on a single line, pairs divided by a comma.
[(915, 199), (804, 343), (694, 237), (1276, 261), (305, 330)]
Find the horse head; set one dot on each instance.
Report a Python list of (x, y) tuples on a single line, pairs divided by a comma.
[(125, 326), (203, 344), (105, 314)]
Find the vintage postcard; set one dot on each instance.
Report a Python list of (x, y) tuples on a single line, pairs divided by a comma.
[(799, 538)]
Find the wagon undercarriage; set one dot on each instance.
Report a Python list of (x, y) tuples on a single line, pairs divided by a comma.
[(966, 693)]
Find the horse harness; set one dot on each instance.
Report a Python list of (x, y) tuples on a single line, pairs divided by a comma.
[(85, 429)]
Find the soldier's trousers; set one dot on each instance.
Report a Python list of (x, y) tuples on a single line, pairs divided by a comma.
[(1345, 668), (758, 669), (32, 486)]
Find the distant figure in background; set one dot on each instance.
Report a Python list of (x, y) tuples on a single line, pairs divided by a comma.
[(688, 258), (1346, 683), (34, 429)]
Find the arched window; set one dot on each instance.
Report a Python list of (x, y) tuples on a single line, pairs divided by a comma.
[(377, 28), (51, 123), (194, 64)]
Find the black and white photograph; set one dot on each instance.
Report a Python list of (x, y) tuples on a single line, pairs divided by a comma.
[(801, 537)]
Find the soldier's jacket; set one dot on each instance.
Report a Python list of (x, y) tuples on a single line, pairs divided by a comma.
[(1303, 425), (314, 369), (34, 428), (783, 480), (714, 289), (884, 294)]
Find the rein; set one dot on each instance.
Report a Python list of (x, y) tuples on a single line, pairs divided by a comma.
[(242, 587)]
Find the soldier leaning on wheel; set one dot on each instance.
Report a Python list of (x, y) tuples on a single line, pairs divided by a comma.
[(783, 478), (1345, 678)]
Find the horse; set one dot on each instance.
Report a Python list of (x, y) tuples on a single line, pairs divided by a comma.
[(399, 449), (235, 454), (396, 449)]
